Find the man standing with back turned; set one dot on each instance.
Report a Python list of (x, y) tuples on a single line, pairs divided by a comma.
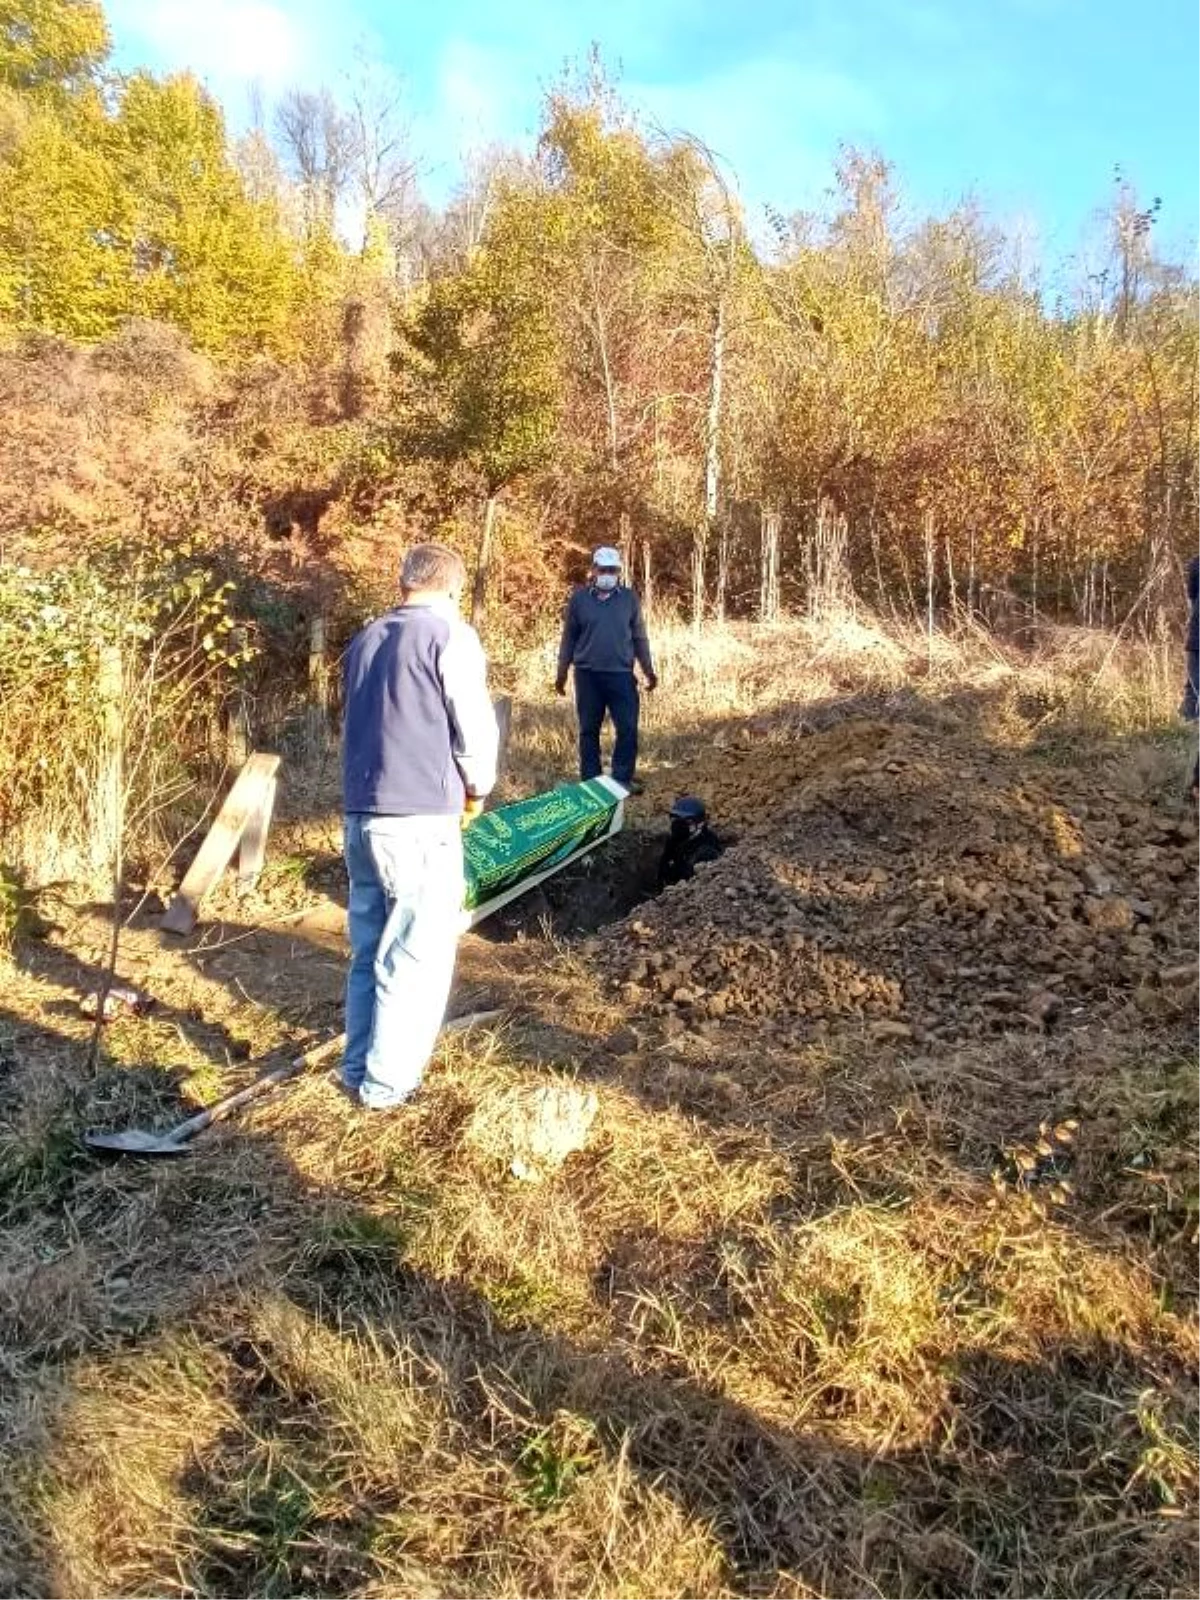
[(418, 760), (603, 635)]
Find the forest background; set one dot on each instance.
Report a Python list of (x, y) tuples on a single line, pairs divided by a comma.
[(238, 374)]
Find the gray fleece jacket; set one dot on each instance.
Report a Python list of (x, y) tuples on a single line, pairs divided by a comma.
[(420, 732)]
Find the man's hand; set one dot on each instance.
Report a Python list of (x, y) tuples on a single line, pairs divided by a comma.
[(560, 686), (651, 682), (472, 809)]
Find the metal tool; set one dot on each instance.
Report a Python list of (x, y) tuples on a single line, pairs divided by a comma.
[(175, 1141)]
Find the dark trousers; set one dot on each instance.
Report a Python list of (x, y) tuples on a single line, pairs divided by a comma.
[(1191, 689), (617, 694)]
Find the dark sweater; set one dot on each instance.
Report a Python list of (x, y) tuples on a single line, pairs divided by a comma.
[(604, 633), (684, 851)]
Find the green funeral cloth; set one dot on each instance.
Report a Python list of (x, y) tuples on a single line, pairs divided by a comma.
[(527, 839)]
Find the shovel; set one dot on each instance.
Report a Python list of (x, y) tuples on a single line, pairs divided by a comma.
[(175, 1141)]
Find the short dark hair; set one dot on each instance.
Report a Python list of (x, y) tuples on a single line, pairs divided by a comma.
[(432, 566)]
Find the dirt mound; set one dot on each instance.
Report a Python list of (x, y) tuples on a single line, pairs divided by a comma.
[(892, 873)]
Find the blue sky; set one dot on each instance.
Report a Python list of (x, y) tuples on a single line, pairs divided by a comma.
[(1029, 104)]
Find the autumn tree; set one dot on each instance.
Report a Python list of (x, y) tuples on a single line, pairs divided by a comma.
[(383, 168), (318, 141), (612, 258), (196, 250), (51, 48), (128, 203), (714, 254), (483, 362)]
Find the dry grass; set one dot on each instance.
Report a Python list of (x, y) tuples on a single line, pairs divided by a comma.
[(777, 1330), (1067, 685)]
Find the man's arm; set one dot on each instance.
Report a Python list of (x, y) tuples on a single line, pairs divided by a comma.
[(570, 634), (641, 642), (476, 737)]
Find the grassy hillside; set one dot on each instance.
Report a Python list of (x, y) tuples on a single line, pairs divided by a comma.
[(875, 1275)]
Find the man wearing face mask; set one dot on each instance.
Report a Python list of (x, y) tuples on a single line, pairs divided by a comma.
[(604, 635), (418, 760)]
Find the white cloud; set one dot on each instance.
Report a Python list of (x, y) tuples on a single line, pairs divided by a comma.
[(478, 91), (476, 96), (228, 44), (776, 123)]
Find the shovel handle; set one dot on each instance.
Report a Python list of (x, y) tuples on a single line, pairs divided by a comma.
[(269, 1080), (220, 1109)]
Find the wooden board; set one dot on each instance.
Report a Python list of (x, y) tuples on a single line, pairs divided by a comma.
[(503, 707), (254, 786), (252, 853)]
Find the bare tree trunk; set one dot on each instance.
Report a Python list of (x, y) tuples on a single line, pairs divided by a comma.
[(768, 601), (610, 401), (647, 577), (107, 818), (610, 387), (712, 428), (827, 563), (722, 569), (950, 581), (483, 561), (930, 568), (699, 561), (625, 540), (972, 581), (1060, 575), (237, 716), (876, 558), (111, 797), (914, 610), (712, 460)]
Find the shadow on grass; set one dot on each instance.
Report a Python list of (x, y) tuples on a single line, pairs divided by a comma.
[(395, 1431)]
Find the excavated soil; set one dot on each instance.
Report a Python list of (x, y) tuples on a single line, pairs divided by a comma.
[(912, 878), (895, 876)]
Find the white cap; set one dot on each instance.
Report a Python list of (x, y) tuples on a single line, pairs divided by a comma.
[(606, 556)]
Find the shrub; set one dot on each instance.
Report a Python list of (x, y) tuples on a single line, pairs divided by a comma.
[(111, 674)]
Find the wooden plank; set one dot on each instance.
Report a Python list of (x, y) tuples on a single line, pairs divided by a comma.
[(317, 715), (318, 666), (242, 802), (503, 707), (252, 852)]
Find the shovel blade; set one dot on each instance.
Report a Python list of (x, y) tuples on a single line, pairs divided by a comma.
[(133, 1142)]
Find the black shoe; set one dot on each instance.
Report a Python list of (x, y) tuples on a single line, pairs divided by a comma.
[(635, 786)]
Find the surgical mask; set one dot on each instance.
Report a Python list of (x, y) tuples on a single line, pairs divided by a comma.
[(606, 580)]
